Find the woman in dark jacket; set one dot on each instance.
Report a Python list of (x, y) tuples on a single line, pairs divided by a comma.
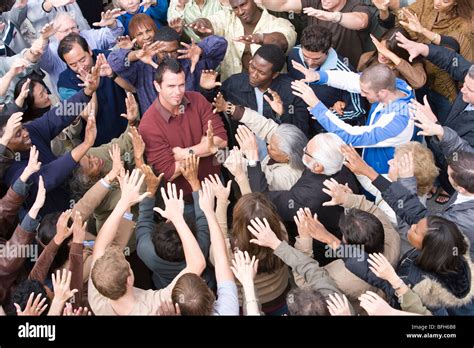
[(438, 268)]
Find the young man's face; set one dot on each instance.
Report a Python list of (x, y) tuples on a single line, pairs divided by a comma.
[(314, 59), (169, 50), (468, 90), (417, 233), (21, 141), (246, 10), (260, 72), (171, 89), (78, 59), (367, 92)]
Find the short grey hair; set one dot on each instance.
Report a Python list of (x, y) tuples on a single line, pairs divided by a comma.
[(328, 152), (60, 16), (291, 141), (471, 72)]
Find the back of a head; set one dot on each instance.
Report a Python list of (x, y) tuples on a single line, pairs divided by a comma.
[(379, 77), (443, 248), (46, 232), (327, 152), (362, 228), (306, 301), (291, 140), (166, 34), (193, 295), (169, 64), (22, 293), (272, 54), (424, 164), (392, 42), (248, 207), (63, 16), (166, 241), (110, 272), (462, 169), (316, 39), (67, 44), (141, 20)]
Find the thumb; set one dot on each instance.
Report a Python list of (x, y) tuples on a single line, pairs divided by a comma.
[(255, 241)]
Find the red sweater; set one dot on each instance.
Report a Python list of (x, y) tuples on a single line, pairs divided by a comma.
[(185, 130)]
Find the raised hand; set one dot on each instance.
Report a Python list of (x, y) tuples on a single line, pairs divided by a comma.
[(125, 42), (137, 142), (40, 198), (302, 221), (151, 180), (406, 166), (321, 14), (244, 267), (34, 306), (206, 198), (91, 129), (256, 39), (130, 185), (174, 204), (309, 74), (79, 229), (132, 108), (18, 66), (336, 191), (305, 92), (412, 22), (208, 79), (235, 163), (220, 104), (61, 285), (374, 304), (192, 52), (264, 235), (78, 312), (190, 171), (355, 163), (109, 18), (338, 305), (425, 119), (25, 90), (338, 108), (275, 102), (202, 27), (177, 24), (148, 51), (380, 266), (12, 126), (62, 230), (47, 31), (414, 48), (33, 165), (166, 308), (211, 146), (384, 51), (117, 164), (92, 80), (247, 142), (221, 192)]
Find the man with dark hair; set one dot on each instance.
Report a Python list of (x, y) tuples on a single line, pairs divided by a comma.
[(175, 126), (316, 53), (75, 52), (138, 67), (265, 90)]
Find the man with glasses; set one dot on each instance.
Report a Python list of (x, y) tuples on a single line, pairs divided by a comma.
[(316, 53), (64, 24)]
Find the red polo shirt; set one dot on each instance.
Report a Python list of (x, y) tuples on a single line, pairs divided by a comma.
[(161, 131)]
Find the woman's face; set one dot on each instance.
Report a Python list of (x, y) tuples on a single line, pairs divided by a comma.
[(144, 35), (381, 58), (417, 233), (274, 151), (91, 165), (444, 5), (40, 97)]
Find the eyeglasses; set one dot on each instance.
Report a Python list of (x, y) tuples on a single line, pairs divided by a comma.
[(307, 154)]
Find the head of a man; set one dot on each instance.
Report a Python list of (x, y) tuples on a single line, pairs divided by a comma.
[(169, 39), (362, 228), (170, 83), (193, 295), (131, 6), (265, 66), (468, 87), (378, 83), (307, 301), (461, 172), (245, 10), (143, 29), (112, 275), (315, 44), (65, 25), (20, 141), (75, 52), (322, 156)]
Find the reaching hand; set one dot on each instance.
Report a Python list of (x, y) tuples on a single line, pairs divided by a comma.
[(206, 198), (263, 233), (338, 108), (151, 180), (13, 125), (211, 145), (251, 39), (414, 48), (222, 192), (40, 196), (309, 74), (137, 142), (78, 312), (302, 219), (192, 52), (383, 50), (18, 66), (124, 42), (92, 80), (190, 171), (374, 304), (208, 79), (425, 119), (354, 162), (177, 24), (79, 229), (166, 308), (338, 305), (132, 108), (61, 285), (25, 90), (117, 164), (32, 308), (244, 268), (109, 18), (275, 102), (105, 69), (406, 166), (380, 266), (47, 31), (130, 185), (33, 165), (91, 129), (174, 204), (62, 230), (337, 192), (320, 14), (148, 51), (412, 22), (247, 142), (236, 164), (305, 92), (220, 104), (202, 27)]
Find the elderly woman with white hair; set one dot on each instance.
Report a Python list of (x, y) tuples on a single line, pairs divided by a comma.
[(283, 165)]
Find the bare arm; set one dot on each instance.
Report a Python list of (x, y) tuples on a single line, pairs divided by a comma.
[(281, 5)]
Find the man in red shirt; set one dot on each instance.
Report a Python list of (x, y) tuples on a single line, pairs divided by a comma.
[(175, 126)]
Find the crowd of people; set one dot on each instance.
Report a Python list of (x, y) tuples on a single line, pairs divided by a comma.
[(236, 157)]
